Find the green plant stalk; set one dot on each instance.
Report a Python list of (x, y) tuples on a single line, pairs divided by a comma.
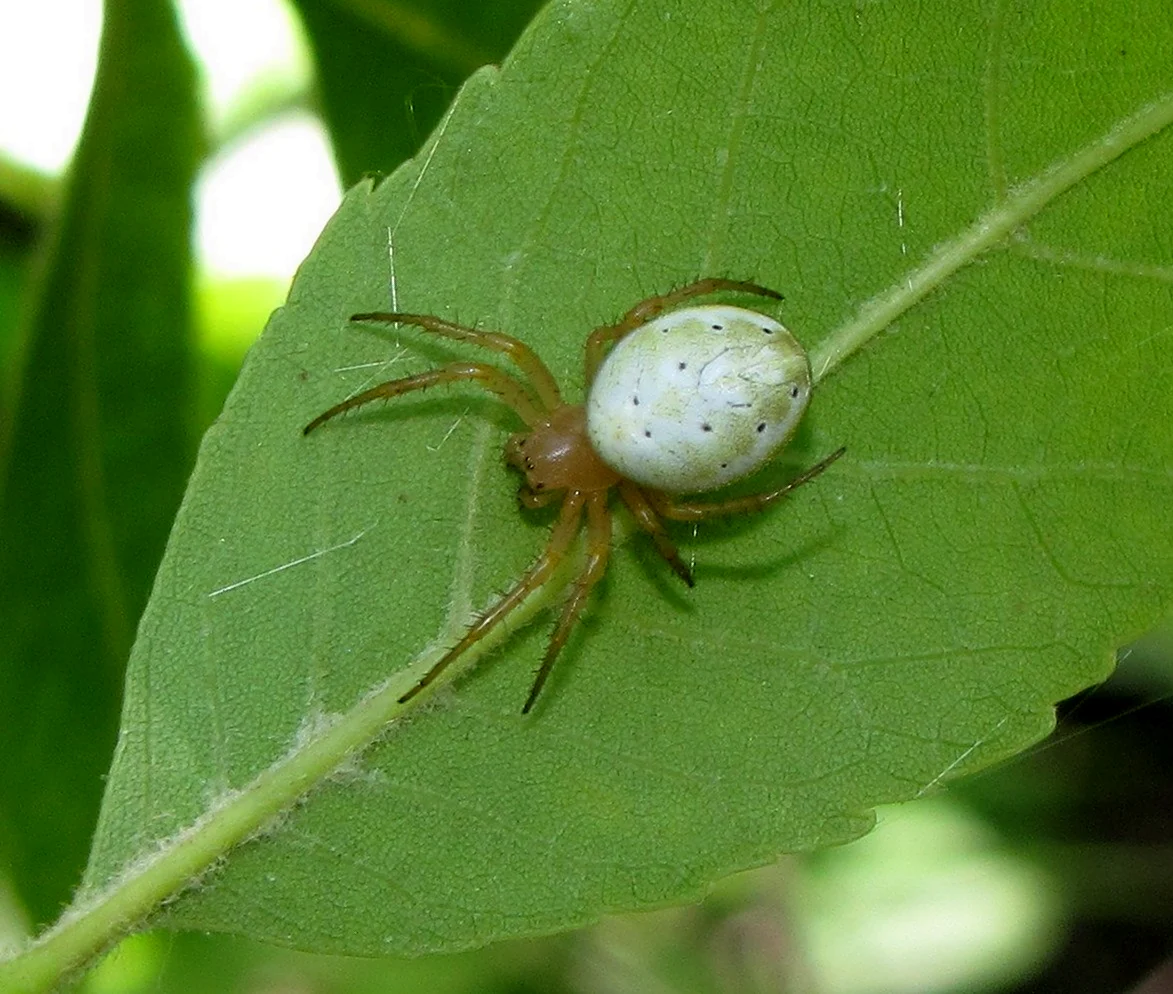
[(1021, 204), (100, 919), (87, 929)]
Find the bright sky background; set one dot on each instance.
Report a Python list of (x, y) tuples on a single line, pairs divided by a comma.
[(259, 204)]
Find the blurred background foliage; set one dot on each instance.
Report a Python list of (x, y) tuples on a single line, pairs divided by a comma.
[(124, 315)]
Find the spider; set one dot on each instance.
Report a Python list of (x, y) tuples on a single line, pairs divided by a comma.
[(685, 400)]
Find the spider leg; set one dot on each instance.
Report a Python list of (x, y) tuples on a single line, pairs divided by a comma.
[(647, 518), (689, 511), (645, 310), (598, 547), (560, 538), (522, 355), (649, 308), (490, 377)]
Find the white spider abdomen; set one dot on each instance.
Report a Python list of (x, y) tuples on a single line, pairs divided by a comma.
[(697, 398)]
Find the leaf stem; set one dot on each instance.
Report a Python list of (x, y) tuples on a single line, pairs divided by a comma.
[(86, 929), (1021, 204)]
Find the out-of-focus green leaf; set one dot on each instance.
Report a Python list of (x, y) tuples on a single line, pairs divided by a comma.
[(201, 964), (14, 268), (229, 313), (999, 524), (99, 447), (387, 69), (26, 197)]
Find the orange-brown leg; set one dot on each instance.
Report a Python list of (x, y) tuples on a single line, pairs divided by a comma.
[(647, 518), (490, 377), (645, 310), (522, 355), (689, 511), (598, 546), (560, 538)]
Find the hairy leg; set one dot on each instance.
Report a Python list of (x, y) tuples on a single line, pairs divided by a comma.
[(598, 546), (647, 518), (645, 310), (560, 538), (522, 355), (691, 511), (490, 377)]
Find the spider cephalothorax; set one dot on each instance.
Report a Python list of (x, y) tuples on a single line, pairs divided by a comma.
[(685, 401), (556, 454)]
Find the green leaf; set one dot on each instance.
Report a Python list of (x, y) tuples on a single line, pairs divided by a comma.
[(998, 526), (387, 68), (14, 275), (100, 444)]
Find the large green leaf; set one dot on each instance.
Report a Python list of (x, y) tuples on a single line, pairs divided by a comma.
[(99, 449), (386, 69), (999, 524), (14, 267)]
